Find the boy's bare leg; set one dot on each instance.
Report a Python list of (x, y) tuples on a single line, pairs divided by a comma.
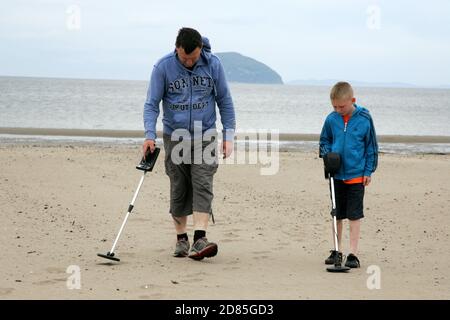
[(355, 227), (201, 220), (180, 226), (339, 224)]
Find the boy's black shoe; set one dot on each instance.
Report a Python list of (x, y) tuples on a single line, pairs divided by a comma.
[(330, 259), (352, 261)]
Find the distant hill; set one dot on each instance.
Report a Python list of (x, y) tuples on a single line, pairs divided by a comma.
[(239, 68), (331, 82)]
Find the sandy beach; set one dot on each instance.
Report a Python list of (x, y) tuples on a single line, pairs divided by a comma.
[(63, 204)]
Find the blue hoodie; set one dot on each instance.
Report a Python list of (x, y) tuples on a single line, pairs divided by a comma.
[(356, 143), (189, 96)]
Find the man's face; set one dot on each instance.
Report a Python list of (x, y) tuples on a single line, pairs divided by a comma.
[(188, 60), (343, 106)]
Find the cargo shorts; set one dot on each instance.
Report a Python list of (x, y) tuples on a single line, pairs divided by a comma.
[(191, 179)]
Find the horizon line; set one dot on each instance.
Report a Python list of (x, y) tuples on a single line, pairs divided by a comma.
[(285, 82)]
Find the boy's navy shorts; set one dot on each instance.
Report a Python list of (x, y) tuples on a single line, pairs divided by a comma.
[(349, 200)]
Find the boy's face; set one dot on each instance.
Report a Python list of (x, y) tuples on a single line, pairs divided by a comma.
[(344, 106)]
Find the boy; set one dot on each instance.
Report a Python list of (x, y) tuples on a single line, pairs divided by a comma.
[(349, 131)]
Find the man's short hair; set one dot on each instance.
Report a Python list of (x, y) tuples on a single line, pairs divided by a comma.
[(341, 90), (189, 39)]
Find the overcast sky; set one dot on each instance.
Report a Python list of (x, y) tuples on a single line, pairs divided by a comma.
[(374, 41)]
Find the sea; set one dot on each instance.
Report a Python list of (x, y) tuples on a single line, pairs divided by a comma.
[(27, 102)]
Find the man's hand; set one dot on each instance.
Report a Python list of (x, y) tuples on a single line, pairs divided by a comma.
[(366, 181), (227, 148), (148, 144)]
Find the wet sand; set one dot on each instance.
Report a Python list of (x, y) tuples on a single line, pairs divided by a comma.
[(140, 134)]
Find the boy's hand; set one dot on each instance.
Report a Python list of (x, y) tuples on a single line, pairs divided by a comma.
[(366, 181)]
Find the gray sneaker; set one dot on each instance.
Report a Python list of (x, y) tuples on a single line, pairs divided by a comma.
[(202, 248), (181, 248)]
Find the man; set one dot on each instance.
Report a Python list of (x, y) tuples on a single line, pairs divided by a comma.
[(190, 81)]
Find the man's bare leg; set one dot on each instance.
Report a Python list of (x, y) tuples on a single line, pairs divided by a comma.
[(180, 224), (201, 220)]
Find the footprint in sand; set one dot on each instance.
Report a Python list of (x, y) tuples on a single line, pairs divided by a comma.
[(282, 245), (55, 270), (50, 281), (193, 280), (226, 240), (148, 286), (44, 282), (196, 274), (5, 291), (141, 219), (260, 254), (231, 268), (152, 296), (260, 257), (233, 262), (230, 234), (128, 254)]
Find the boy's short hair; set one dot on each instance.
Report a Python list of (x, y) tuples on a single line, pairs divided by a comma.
[(189, 39), (341, 90)]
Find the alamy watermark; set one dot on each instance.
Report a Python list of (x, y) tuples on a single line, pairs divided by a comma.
[(373, 21), (74, 280), (374, 280), (249, 147), (73, 17)]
